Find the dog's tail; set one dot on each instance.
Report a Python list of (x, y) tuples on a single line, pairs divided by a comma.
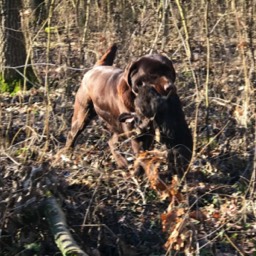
[(108, 58)]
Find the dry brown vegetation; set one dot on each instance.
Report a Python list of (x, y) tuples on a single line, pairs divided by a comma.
[(111, 211)]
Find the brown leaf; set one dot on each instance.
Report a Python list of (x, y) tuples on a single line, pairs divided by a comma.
[(197, 215)]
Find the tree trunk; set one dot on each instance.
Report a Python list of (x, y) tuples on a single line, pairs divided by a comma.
[(12, 44)]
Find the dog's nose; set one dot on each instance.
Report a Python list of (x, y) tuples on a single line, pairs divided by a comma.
[(170, 87)]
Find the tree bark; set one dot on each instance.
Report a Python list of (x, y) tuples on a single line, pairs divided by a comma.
[(12, 43)]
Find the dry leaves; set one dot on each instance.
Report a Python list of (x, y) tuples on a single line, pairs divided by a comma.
[(176, 220)]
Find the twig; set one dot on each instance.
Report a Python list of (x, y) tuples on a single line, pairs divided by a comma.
[(241, 47), (232, 243), (90, 204), (7, 155), (207, 70), (185, 27), (46, 85)]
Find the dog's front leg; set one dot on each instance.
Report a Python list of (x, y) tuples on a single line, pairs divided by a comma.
[(120, 160)]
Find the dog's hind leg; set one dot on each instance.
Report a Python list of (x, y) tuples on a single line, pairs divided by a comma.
[(83, 113)]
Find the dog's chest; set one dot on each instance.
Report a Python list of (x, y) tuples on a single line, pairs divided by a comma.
[(110, 119)]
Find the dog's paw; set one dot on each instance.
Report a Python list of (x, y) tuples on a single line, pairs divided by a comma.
[(60, 156)]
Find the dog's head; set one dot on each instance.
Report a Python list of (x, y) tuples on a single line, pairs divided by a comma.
[(148, 103), (154, 70)]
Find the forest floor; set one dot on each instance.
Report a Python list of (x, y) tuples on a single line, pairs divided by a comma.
[(110, 211), (108, 208)]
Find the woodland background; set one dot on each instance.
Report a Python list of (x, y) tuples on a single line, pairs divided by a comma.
[(46, 47)]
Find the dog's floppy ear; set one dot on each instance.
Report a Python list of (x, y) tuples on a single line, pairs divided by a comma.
[(130, 70)]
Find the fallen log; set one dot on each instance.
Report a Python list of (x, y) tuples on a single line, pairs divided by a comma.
[(58, 225)]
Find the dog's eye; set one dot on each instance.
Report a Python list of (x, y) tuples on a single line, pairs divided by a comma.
[(139, 83)]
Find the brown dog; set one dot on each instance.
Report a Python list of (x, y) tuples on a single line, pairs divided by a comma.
[(108, 91)]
